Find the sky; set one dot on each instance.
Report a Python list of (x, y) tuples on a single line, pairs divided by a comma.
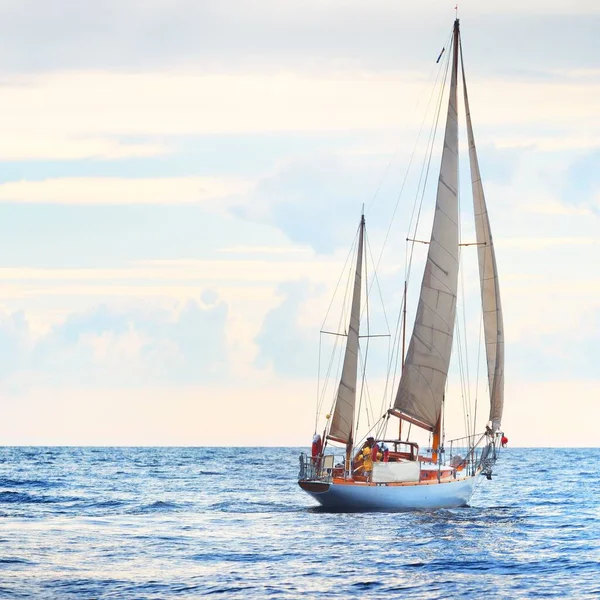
[(181, 183)]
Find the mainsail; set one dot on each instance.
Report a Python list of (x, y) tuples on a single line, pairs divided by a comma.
[(488, 274), (423, 380), (343, 414)]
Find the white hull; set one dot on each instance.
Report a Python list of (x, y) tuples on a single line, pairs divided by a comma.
[(362, 497)]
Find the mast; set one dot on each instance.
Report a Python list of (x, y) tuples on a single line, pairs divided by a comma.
[(493, 324), (423, 381), (342, 422)]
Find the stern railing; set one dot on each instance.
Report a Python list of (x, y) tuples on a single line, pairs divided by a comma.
[(474, 452), (320, 468)]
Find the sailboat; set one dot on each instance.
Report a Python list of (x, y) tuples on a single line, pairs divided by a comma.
[(392, 474)]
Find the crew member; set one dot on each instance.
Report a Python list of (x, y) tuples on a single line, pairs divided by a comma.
[(385, 451), (375, 451), (317, 446), (367, 461)]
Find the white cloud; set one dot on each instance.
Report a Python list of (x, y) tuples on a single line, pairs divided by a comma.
[(545, 143), (542, 243), (100, 104), (27, 145), (110, 190), (266, 250), (551, 206)]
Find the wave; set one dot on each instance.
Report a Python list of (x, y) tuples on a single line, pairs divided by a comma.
[(103, 504), (13, 560), (24, 498), (158, 506), (31, 483), (254, 507)]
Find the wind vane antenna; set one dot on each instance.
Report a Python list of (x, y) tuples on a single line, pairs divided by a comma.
[(456, 9)]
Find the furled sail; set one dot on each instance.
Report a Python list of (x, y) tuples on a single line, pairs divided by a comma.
[(421, 390), (342, 421), (488, 273)]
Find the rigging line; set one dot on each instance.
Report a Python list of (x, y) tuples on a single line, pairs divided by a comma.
[(463, 360), (347, 302), (369, 402), (424, 176), (370, 431), (368, 340), (350, 254), (360, 399), (462, 379), (335, 347), (336, 391), (396, 151), (327, 376), (465, 371), (343, 313), (460, 368), (481, 283), (321, 397), (375, 279), (331, 361), (479, 345), (440, 69), (364, 393), (383, 423), (443, 69), (463, 302), (318, 382), (408, 267), (428, 156), (364, 370), (481, 321)]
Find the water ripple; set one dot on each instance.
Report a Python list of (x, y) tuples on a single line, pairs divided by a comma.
[(187, 523)]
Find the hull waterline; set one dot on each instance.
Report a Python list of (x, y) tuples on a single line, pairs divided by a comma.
[(362, 497)]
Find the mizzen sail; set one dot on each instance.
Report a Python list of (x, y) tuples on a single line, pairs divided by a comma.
[(342, 421), (493, 325), (421, 390)]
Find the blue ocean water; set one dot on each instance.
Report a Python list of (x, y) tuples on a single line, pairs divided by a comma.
[(232, 523)]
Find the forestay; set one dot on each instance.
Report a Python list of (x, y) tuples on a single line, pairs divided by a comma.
[(488, 273), (421, 390)]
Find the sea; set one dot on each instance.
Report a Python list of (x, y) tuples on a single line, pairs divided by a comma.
[(162, 523)]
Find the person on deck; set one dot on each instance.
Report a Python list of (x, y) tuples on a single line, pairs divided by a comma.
[(317, 446), (385, 451), (375, 451), (367, 461)]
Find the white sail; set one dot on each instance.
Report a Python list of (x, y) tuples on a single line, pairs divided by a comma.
[(423, 380), (342, 421), (488, 273)]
